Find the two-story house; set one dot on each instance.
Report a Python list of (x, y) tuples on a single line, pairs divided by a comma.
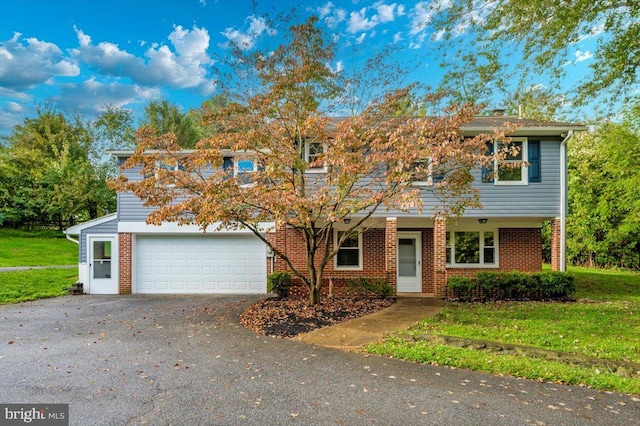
[(121, 253)]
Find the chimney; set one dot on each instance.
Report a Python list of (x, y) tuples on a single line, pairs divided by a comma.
[(498, 112)]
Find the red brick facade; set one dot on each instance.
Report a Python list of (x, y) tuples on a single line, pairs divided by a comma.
[(125, 255), (440, 256), (555, 245), (518, 249)]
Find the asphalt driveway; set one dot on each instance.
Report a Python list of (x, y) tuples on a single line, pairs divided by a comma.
[(185, 360)]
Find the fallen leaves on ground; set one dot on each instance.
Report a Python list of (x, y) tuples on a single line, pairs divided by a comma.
[(290, 317)]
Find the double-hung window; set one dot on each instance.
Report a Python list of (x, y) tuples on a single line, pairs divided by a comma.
[(472, 248), (512, 169), (313, 152), (349, 256), (243, 168), (423, 172)]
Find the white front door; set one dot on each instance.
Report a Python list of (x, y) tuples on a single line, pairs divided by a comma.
[(102, 265), (409, 262)]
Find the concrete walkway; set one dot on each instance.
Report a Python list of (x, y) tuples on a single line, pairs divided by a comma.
[(351, 335), (27, 268)]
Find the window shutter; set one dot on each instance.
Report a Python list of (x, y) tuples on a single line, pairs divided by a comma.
[(535, 174), (487, 171), (227, 166)]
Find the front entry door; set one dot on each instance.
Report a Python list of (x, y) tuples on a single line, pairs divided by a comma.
[(409, 262), (102, 266)]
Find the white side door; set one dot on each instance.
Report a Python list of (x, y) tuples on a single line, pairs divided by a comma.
[(409, 262), (103, 273)]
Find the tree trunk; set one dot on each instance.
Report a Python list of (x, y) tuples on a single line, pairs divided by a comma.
[(314, 294)]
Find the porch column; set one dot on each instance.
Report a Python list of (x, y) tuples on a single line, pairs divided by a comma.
[(124, 262), (556, 236), (280, 243), (440, 256), (391, 252)]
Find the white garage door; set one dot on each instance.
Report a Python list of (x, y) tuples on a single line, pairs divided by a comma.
[(200, 264)]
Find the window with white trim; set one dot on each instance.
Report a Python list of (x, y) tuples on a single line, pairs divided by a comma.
[(423, 170), (242, 170), (349, 256), (513, 174), (313, 152), (472, 248), (170, 167)]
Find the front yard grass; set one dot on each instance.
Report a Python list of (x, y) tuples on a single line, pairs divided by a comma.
[(34, 284), (603, 327), (36, 248)]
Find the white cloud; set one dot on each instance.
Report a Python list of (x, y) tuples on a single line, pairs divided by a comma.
[(583, 56), (184, 67), (91, 95), (438, 35), (14, 94), (325, 10), (420, 16), (24, 63), (361, 38), (246, 40), (595, 32), (386, 13), (397, 37), (358, 22), (15, 107), (338, 68)]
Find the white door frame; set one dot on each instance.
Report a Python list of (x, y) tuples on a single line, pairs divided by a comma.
[(410, 284), (103, 285)]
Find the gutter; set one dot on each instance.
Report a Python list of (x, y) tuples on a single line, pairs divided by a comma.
[(563, 200)]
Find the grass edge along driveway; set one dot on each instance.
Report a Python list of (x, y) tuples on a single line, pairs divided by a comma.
[(602, 326)]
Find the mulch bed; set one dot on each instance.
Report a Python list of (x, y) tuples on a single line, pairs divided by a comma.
[(292, 316)]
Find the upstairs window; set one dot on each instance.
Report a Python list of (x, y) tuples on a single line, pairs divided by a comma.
[(512, 170), (243, 168), (423, 171), (313, 152)]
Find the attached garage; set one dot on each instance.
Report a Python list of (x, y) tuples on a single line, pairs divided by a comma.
[(222, 263)]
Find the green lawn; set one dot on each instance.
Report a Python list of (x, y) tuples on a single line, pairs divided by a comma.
[(604, 325), (43, 248), (35, 284)]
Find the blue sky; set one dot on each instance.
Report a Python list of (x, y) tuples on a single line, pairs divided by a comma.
[(80, 55)]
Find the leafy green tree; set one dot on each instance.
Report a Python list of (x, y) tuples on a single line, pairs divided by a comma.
[(114, 126), (48, 174), (604, 196), (164, 117), (547, 32)]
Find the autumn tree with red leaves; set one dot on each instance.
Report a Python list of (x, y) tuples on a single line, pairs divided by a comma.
[(277, 104)]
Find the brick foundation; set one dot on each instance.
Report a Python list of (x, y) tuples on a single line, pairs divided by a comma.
[(125, 255)]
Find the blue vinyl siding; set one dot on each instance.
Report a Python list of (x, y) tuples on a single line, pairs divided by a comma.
[(537, 199)]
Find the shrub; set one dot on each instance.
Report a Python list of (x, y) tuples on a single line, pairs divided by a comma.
[(462, 288), (364, 286), (279, 283), (511, 286)]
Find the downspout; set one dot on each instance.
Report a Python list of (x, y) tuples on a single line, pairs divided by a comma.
[(563, 201), (71, 239)]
